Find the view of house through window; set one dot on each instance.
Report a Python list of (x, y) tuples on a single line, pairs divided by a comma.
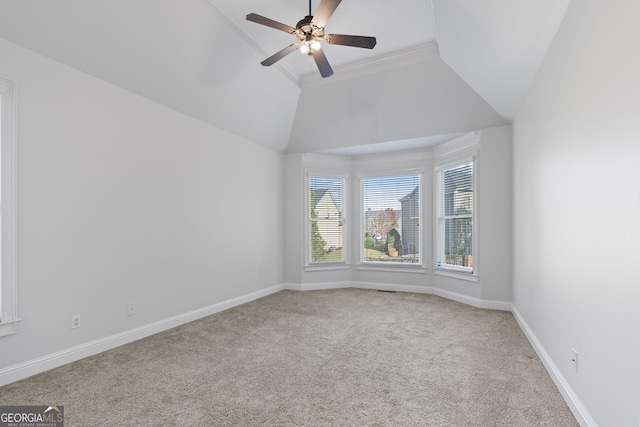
[(326, 219), (391, 219), (455, 217)]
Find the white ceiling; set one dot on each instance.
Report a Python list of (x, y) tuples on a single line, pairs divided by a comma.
[(496, 46), (202, 57), (396, 25)]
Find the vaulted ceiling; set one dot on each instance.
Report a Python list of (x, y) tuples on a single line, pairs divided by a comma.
[(440, 67)]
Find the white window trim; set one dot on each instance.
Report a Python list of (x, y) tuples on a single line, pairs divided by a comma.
[(450, 272), (8, 280), (383, 266), (447, 270), (320, 266), (396, 268)]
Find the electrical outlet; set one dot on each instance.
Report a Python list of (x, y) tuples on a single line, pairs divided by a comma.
[(131, 309), (574, 358), (75, 321)]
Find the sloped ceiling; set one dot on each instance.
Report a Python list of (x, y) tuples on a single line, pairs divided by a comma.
[(183, 54), (439, 68), (416, 100), (496, 46)]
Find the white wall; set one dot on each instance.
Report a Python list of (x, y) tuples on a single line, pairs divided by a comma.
[(123, 200), (494, 171), (577, 207)]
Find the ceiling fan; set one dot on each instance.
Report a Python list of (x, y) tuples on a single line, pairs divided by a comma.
[(310, 31)]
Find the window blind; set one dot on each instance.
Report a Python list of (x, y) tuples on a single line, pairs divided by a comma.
[(455, 218), (391, 219), (326, 219)]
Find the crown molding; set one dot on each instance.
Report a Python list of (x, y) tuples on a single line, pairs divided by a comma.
[(468, 142), (400, 58)]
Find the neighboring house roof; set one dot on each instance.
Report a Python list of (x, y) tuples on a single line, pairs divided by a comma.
[(317, 195), (410, 195)]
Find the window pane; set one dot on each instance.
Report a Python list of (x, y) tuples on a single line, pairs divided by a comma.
[(457, 241), (326, 196), (458, 190), (391, 219), (455, 217)]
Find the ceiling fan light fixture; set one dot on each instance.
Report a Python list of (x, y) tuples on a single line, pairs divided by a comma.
[(310, 32), (309, 46)]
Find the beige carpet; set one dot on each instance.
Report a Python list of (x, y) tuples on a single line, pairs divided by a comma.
[(345, 357)]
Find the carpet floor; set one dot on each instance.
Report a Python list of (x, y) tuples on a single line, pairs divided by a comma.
[(343, 357)]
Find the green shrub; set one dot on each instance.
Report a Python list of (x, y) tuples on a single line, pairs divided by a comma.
[(369, 242), (391, 239)]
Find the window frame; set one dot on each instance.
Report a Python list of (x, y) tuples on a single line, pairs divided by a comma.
[(310, 265), (420, 266), (467, 273), (8, 278)]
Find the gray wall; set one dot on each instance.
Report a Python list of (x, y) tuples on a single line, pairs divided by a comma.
[(123, 200), (494, 203), (577, 207), (414, 101)]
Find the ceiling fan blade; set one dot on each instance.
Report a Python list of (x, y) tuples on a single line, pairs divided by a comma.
[(322, 63), (324, 12), (279, 55), (355, 41), (253, 17)]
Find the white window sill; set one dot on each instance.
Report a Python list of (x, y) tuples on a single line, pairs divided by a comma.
[(9, 327), (398, 268), (462, 275), (327, 266)]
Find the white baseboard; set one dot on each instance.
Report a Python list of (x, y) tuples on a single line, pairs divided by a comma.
[(465, 299), (316, 286), (54, 360), (475, 302), (495, 305), (577, 408), (392, 287)]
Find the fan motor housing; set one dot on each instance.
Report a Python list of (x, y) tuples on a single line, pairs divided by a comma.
[(304, 28)]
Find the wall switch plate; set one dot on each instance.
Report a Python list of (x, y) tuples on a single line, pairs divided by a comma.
[(75, 321), (131, 309)]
